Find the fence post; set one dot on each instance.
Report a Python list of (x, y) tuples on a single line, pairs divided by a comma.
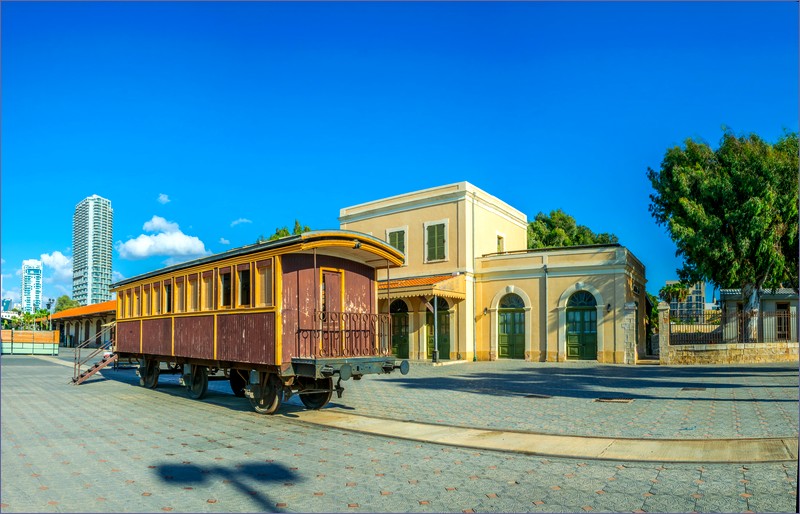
[(629, 330), (663, 333)]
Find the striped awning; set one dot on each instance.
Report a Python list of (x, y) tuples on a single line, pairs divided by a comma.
[(447, 286)]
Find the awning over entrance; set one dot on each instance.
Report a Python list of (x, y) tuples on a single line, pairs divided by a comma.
[(447, 286)]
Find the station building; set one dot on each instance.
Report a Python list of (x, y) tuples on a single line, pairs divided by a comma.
[(467, 261)]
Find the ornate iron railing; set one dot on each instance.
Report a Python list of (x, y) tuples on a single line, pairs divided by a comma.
[(350, 334), (716, 327)]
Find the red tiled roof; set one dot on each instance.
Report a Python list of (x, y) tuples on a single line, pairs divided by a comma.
[(412, 282), (86, 310)]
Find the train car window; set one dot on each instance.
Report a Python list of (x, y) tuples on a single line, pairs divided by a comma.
[(225, 288), (122, 305), (136, 302), (156, 299), (264, 283), (208, 290), (146, 300), (129, 307), (179, 295), (193, 293), (243, 281), (167, 297)]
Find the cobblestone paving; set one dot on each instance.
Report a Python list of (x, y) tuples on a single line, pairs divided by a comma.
[(735, 401), (111, 446)]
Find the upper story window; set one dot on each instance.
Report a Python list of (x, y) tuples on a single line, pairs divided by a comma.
[(435, 241), (397, 238), (501, 244)]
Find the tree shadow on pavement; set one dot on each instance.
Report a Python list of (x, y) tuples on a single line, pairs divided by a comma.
[(251, 480)]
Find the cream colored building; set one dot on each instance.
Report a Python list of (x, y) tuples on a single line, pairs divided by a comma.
[(466, 259)]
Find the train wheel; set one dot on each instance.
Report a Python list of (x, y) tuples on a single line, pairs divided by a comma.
[(148, 373), (267, 395), (238, 381), (197, 385), (319, 398)]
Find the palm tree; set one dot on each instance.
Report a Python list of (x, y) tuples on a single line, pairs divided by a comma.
[(674, 292)]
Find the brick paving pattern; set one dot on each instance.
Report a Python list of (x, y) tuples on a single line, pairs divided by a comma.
[(112, 446)]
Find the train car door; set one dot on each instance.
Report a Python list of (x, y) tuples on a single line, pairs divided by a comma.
[(331, 309)]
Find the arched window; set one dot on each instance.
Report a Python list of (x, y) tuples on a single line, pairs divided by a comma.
[(398, 307), (511, 301), (582, 299), (441, 304)]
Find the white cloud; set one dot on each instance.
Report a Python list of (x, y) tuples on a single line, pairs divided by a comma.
[(168, 241), (159, 224), (60, 264), (116, 276), (224, 241), (163, 199), (240, 220), (30, 262)]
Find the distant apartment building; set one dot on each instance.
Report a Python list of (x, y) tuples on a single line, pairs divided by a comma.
[(695, 303), (31, 285), (92, 249)]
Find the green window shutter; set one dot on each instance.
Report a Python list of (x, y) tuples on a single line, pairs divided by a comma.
[(436, 242), (398, 240)]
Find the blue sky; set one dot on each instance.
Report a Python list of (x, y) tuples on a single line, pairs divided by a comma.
[(214, 123)]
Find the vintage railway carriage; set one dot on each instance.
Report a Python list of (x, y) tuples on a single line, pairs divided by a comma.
[(282, 317)]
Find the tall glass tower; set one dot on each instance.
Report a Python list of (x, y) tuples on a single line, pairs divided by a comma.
[(92, 248), (31, 285)]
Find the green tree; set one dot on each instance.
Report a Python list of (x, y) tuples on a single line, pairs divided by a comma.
[(561, 229), (64, 302), (674, 292), (284, 232), (732, 212)]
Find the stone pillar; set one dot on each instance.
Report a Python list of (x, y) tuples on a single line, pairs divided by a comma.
[(629, 333), (663, 333)]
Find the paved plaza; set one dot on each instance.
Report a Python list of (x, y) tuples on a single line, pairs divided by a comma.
[(109, 445)]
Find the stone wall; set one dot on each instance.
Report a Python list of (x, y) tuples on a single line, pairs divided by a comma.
[(736, 353)]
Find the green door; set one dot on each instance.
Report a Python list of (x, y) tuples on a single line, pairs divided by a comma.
[(399, 312), (511, 327), (444, 330), (582, 327)]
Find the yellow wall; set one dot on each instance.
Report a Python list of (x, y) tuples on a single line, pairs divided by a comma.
[(610, 273)]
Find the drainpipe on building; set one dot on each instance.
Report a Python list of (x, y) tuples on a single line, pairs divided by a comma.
[(475, 291), (547, 317), (435, 329)]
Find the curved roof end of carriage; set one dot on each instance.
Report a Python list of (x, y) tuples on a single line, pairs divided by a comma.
[(348, 243)]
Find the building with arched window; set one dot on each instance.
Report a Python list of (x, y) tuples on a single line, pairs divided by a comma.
[(470, 288)]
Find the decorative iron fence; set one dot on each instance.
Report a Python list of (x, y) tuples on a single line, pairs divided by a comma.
[(352, 334), (717, 327)]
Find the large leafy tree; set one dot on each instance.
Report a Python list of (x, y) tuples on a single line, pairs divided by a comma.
[(561, 229), (732, 212), (64, 302)]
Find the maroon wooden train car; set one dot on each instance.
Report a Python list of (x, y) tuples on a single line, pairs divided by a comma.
[(279, 318)]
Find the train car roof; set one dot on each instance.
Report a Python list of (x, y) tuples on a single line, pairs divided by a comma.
[(348, 243)]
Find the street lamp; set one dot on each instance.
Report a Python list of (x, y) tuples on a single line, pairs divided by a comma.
[(49, 320)]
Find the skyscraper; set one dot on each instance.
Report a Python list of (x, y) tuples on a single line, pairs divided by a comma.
[(31, 285), (92, 244)]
